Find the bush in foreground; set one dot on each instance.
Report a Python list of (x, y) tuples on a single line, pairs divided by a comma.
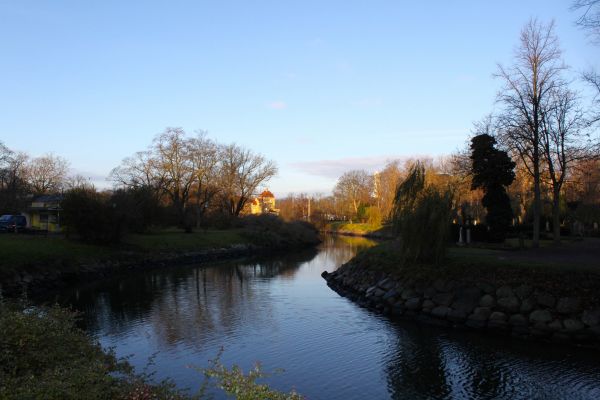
[(43, 355)]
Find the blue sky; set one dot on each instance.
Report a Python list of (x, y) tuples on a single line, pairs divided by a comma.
[(319, 87)]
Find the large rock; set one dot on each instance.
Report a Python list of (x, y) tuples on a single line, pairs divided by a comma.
[(443, 299), (546, 300), (390, 293), (568, 305), (504, 291), (386, 284), (498, 316), (439, 285), (487, 287), (523, 291), (413, 304), (408, 293), (528, 305), (467, 299), (480, 314), (517, 320), (487, 301), (440, 311), (537, 316), (429, 292), (479, 318), (498, 320), (591, 317), (457, 316), (573, 325), (509, 304), (428, 304), (555, 325)]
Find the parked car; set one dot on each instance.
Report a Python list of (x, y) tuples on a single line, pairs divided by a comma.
[(13, 223)]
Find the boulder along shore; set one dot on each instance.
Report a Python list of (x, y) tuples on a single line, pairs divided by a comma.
[(518, 310)]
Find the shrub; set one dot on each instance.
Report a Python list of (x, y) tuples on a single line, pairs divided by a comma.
[(234, 382), (43, 355), (421, 218), (271, 230), (89, 214)]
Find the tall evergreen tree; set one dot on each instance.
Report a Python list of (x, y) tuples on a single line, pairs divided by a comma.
[(493, 171)]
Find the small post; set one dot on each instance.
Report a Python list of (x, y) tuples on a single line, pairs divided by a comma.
[(468, 231)]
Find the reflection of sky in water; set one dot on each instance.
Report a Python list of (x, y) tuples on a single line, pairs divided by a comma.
[(279, 311)]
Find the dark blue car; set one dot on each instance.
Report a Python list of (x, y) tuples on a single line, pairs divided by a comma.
[(12, 223)]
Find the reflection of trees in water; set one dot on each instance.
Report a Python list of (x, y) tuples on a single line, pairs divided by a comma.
[(186, 304), (432, 363), (339, 249)]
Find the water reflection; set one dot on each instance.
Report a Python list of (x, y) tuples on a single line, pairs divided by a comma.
[(279, 310), (429, 362)]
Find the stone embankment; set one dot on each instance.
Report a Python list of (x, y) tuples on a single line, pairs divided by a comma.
[(517, 310), (48, 277)]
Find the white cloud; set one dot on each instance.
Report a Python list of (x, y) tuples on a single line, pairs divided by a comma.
[(333, 169), (277, 105)]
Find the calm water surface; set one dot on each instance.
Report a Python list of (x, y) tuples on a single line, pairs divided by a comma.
[(279, 311)]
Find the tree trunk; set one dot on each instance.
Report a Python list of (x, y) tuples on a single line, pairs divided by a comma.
[(537, 199), (556, 215)]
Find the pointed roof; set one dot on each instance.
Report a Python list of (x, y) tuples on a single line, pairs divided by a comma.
[(267, 193)]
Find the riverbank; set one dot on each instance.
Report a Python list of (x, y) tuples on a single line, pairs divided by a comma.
[(374, 231), (473, 290), (46, 355), (34, 264)]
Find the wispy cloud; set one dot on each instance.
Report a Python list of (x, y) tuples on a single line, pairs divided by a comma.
[(277, 105), (334, 168)]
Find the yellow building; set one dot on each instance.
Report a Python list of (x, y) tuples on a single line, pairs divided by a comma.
[(44, 213), (264, 204)]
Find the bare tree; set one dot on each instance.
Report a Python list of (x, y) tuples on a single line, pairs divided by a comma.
[(139, 170), (171, 156), (563, 144), (13, 186), (79, 182), (241, 173), (589, 19), (47, 174), (204, 155), (386, 182), (353, 188), (528, 85)]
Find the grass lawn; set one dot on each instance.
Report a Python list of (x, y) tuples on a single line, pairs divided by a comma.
[(580, 256), (18, 250), (569, 269), (22, 250)]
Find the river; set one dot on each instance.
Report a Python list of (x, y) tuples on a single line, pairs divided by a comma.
[(280, 312)]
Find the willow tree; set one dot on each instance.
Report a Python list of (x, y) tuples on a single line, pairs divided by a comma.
[(421, 218)]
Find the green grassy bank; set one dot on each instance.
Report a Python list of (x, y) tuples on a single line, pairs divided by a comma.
[(43, 259)]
